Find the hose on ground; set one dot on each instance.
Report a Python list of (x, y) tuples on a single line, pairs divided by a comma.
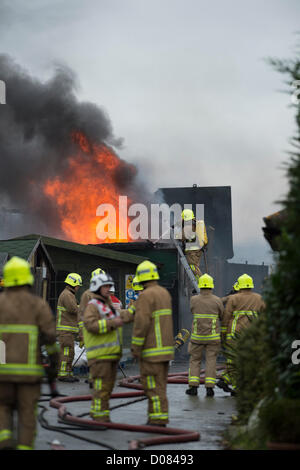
[(172, 435)]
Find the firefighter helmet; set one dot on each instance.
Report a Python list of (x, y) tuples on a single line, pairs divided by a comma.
[(206, 282), (97, 271), (136, 285), (17, 272), (146, 271), (73, 279), (187, 214), (100, 280), (245, 282), (236, 286)]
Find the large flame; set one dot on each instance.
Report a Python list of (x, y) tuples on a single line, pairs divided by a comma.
[(87, 183)]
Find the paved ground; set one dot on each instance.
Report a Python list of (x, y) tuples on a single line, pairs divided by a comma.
[(208, 416)]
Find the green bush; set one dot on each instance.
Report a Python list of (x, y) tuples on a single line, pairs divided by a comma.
[(280, 420), (251, 367)]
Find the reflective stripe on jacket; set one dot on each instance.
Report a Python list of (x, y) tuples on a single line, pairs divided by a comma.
[(24, 320), (207, 310), (102, 340), (195, 240), (67, 312), (239, 311)]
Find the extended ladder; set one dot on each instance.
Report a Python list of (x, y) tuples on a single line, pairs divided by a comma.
[(184, 263)]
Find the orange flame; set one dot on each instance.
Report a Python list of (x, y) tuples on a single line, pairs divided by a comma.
[(87, 183)]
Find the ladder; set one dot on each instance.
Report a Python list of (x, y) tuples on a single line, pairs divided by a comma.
[(184, 263)]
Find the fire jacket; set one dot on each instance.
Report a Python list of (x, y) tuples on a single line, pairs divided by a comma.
[(195, 239), (67, 312), (207, 310), (26, 323), (103, 341), (239, 311), (152, 335), (85, 298)]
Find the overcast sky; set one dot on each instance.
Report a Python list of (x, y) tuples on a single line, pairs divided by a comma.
[(185, 84)]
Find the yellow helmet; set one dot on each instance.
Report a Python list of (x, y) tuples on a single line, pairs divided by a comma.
[(187, 214), (17, 272), (97, 271), (146, 271), (206, 282), (136, 285), (245, 282), (73, 279), (236, 286)]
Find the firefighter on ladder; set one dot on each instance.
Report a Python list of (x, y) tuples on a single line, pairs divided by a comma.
[(240, 309), (194, 237), (26, 323)]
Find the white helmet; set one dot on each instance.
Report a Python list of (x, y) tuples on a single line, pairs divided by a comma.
[(100, 280)]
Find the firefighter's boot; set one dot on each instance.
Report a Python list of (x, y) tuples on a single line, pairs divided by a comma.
[(210, 392), (222, 384), (192, 391)]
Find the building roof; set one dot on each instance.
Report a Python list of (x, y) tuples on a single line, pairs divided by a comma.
[(21, 248), (72, 246)]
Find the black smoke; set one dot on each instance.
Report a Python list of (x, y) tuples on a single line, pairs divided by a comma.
[(36, 126)]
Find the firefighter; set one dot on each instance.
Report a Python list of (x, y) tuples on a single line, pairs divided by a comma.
[(153, 341), (207, 310), (26, 323), (240, 309), (195, 240), (67, 326), (102, 334), (116, 303), (85, 298), (127, 315)]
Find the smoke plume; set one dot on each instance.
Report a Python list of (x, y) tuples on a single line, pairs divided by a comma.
[(36, 126)]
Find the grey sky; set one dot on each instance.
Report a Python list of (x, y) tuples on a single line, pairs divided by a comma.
[(184, 83)]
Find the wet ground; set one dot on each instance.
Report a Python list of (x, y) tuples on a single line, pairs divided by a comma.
[(208, 416)]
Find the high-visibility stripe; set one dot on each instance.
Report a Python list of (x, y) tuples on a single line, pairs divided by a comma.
[(163, 311), (66, 351), (244, 312), (98, 384), (151, 381), (31, 330), (102, 346), (138, 341), (22, 447), (212, 337), (5, 434), (161, 416), (21, 369), (131, 309), (194, 379), (156, 404), (80, 324), (73, 329), (205, 315), (157, 352), (102, 326), (210, 380), (59, 325)]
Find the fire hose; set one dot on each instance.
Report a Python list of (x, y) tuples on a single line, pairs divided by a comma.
[(171, 435)]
